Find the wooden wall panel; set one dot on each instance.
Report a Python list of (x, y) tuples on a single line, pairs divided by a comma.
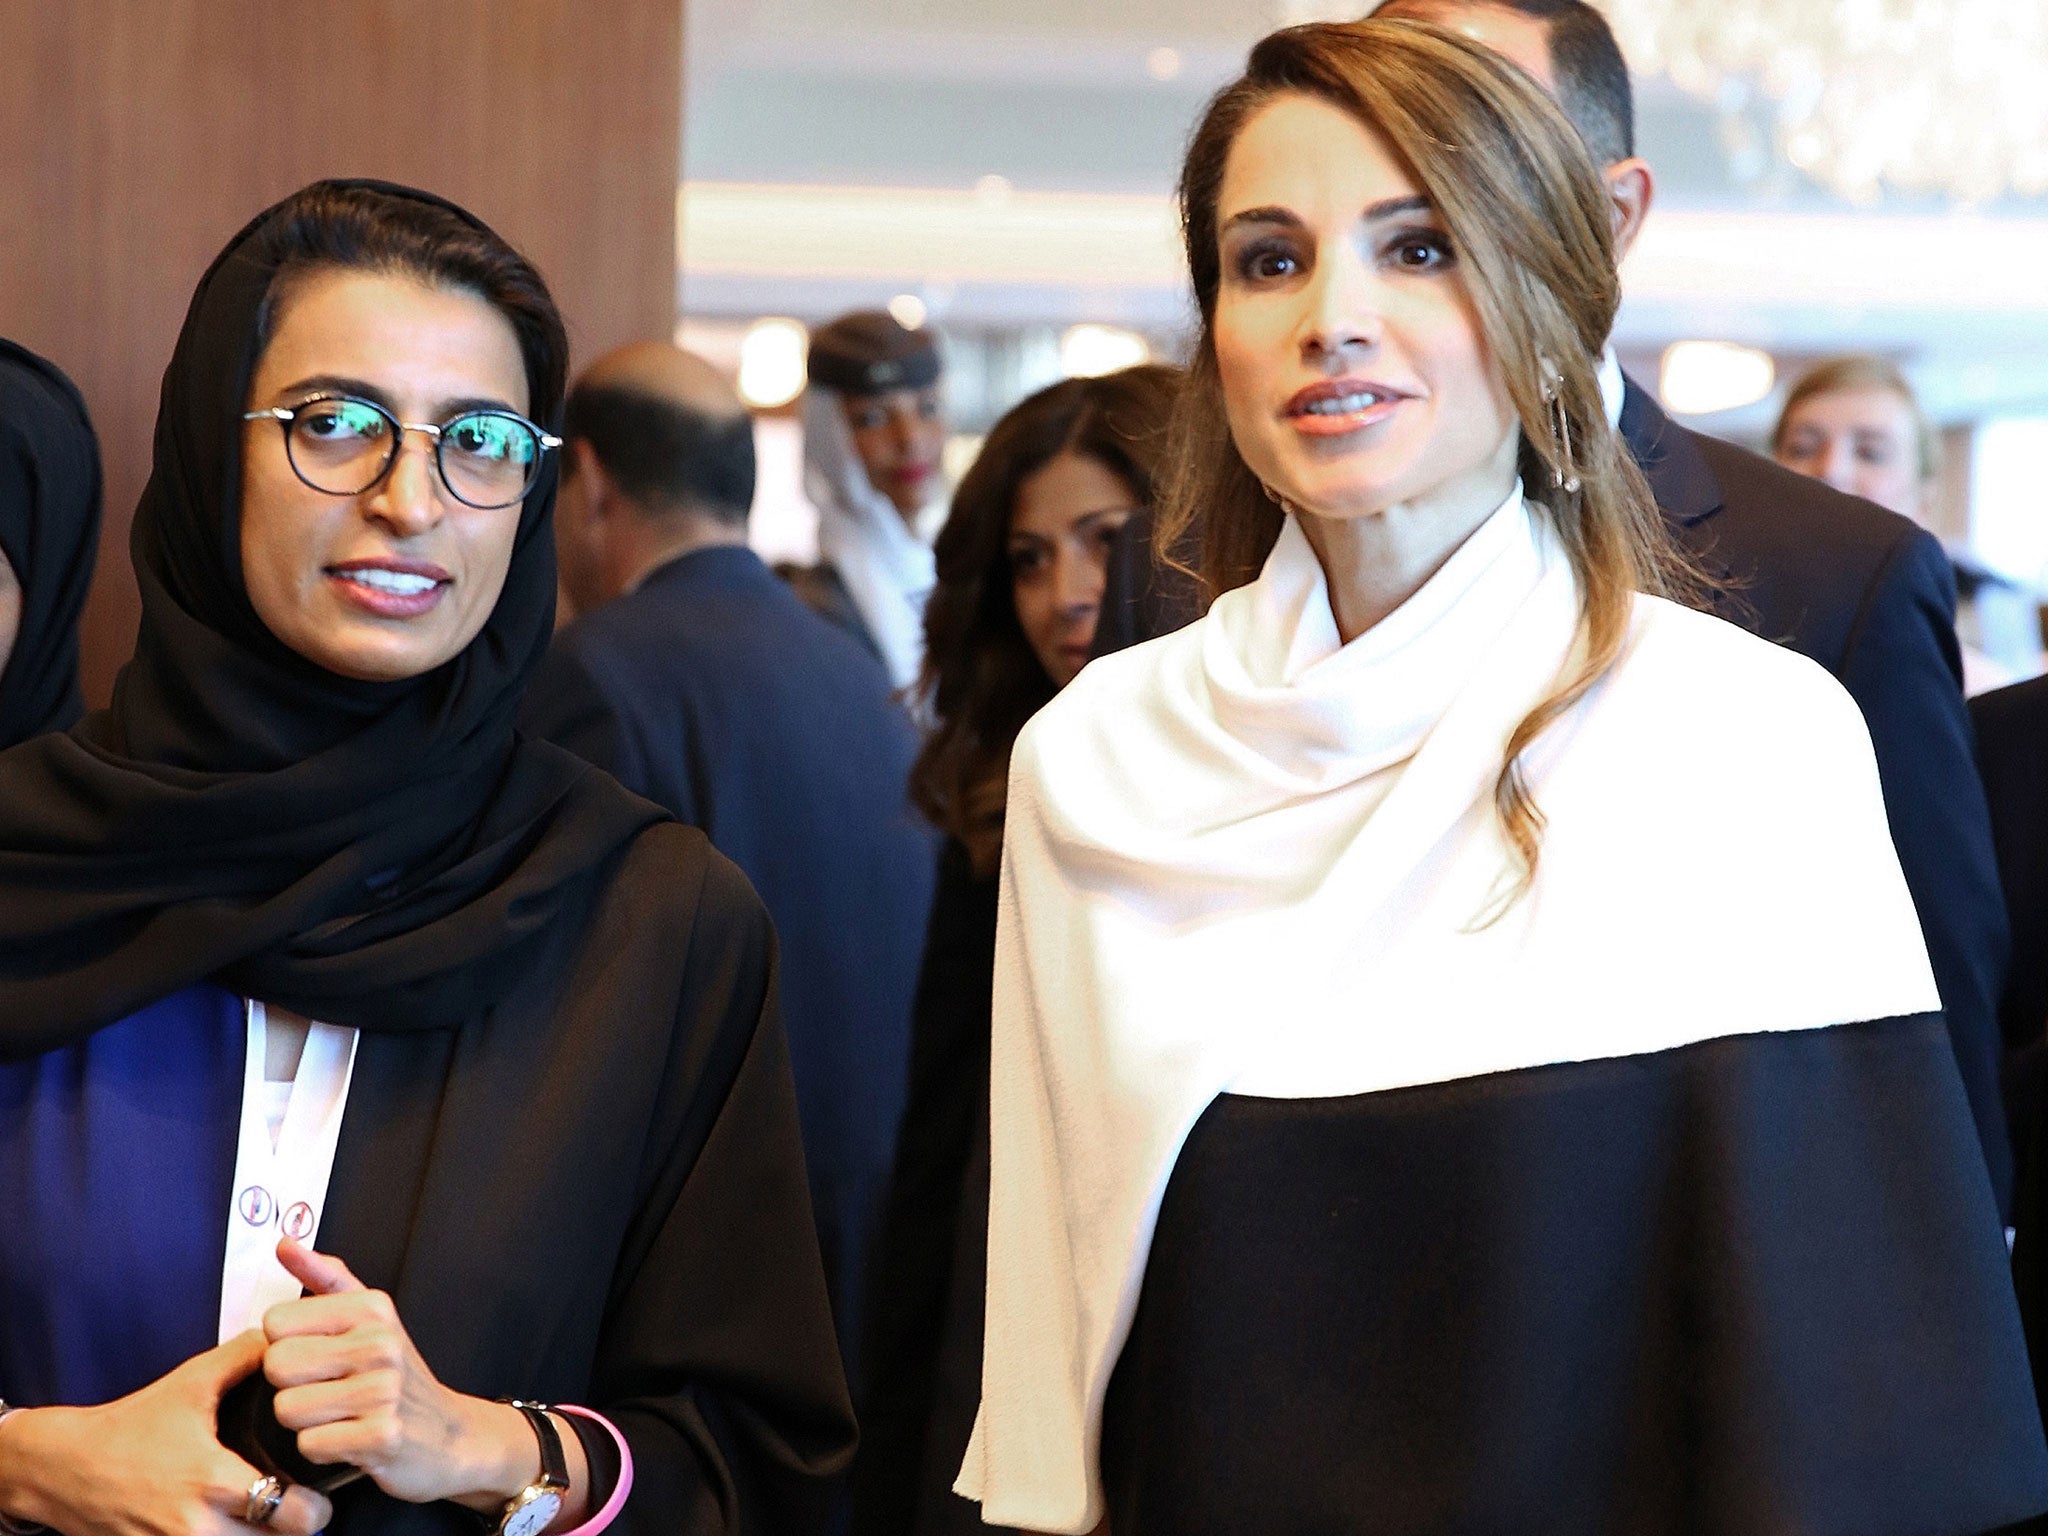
[(137, 135)]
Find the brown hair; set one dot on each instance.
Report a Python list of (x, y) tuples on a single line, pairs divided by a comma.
[(981, 679), (1839, 375), (1527, 215)]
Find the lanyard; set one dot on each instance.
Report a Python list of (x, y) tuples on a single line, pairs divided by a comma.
[(280, 1190)]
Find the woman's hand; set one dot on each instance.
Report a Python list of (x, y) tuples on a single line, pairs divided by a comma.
[(149, 1464), (357, 1392)]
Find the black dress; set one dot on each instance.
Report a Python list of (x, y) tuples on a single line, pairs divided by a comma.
[(1399, 1312), (924, 1320)]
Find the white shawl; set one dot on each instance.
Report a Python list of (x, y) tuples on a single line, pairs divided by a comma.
[(887, 568), (1248, 858)]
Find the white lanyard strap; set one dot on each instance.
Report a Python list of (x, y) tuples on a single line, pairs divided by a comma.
[(281, 1190)]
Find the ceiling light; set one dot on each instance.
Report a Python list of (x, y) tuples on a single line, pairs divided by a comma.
[(1701, 377), (1163, 63), (1087, 351), (1939, 96), (772, 362), (993, 190), (909, 311)]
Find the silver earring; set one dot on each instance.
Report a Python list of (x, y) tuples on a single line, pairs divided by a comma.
[(1563, 477)]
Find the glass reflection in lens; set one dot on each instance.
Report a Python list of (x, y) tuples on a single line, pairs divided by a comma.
[(341, 445), (488, 457)]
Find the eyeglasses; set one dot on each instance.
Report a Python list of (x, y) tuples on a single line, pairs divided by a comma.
[(344, 445)]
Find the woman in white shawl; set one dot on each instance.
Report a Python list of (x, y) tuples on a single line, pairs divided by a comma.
[(874, 429), (1465, 1059)]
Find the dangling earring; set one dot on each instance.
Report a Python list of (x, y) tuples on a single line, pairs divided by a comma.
[(1563, 476), (1277, 499)]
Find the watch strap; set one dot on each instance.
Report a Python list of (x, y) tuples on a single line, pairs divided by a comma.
[(554, 1466)]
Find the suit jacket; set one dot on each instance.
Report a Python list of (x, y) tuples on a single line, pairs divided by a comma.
[(824, 592), (2012, 749), (1871, 597), (2012, 746), (713, 691)]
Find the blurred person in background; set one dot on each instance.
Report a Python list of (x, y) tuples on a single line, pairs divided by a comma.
[(1409, 1114), (700, 681), (874, 435), (1856, 423), (1862, 591), (2012, 754), (49, 541), (1021, 570)]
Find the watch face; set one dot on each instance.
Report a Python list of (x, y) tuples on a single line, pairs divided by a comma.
[(533, 1516)]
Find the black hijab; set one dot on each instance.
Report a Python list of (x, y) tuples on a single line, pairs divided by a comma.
[(50, 534), (374, 854)]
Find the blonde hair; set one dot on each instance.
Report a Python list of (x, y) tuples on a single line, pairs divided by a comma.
[(1840, 375), (1527, 215)]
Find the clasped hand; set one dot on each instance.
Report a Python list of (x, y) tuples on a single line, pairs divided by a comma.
[(350, 1384), (356, 1391)]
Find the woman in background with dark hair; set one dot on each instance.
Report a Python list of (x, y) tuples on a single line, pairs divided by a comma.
[(314, 977), (1021, 566), (49, 542)]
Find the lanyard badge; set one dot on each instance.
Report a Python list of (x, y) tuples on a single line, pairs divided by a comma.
[(280, 1188)]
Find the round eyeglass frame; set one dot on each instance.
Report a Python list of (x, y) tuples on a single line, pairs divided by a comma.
[(286, 415)]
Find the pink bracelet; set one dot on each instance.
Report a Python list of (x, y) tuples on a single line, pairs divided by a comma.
[(624, 1486)]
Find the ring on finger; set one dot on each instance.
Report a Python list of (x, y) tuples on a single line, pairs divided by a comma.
[(265, 1494)]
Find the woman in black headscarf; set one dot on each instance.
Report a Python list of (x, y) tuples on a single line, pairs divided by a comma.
[(312, 974), (49, 536)]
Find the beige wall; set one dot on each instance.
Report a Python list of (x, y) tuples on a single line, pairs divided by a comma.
[(137, 135)]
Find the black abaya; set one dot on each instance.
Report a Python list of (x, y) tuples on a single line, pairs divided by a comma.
[(924, 1316), (49, 533), (626, 1227)]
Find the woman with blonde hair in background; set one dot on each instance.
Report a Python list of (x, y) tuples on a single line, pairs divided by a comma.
[(1856, 423), (1408, 1115)]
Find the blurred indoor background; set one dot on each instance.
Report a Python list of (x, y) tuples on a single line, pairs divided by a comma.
[(1835, 175)]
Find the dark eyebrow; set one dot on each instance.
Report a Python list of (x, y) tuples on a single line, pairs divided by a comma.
[(338, 384), (1386, 208), (1396, 207), (1270, 215)]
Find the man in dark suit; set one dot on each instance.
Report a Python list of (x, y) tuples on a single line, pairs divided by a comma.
[(1860, 590), (702, 682), (2012, 746)]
